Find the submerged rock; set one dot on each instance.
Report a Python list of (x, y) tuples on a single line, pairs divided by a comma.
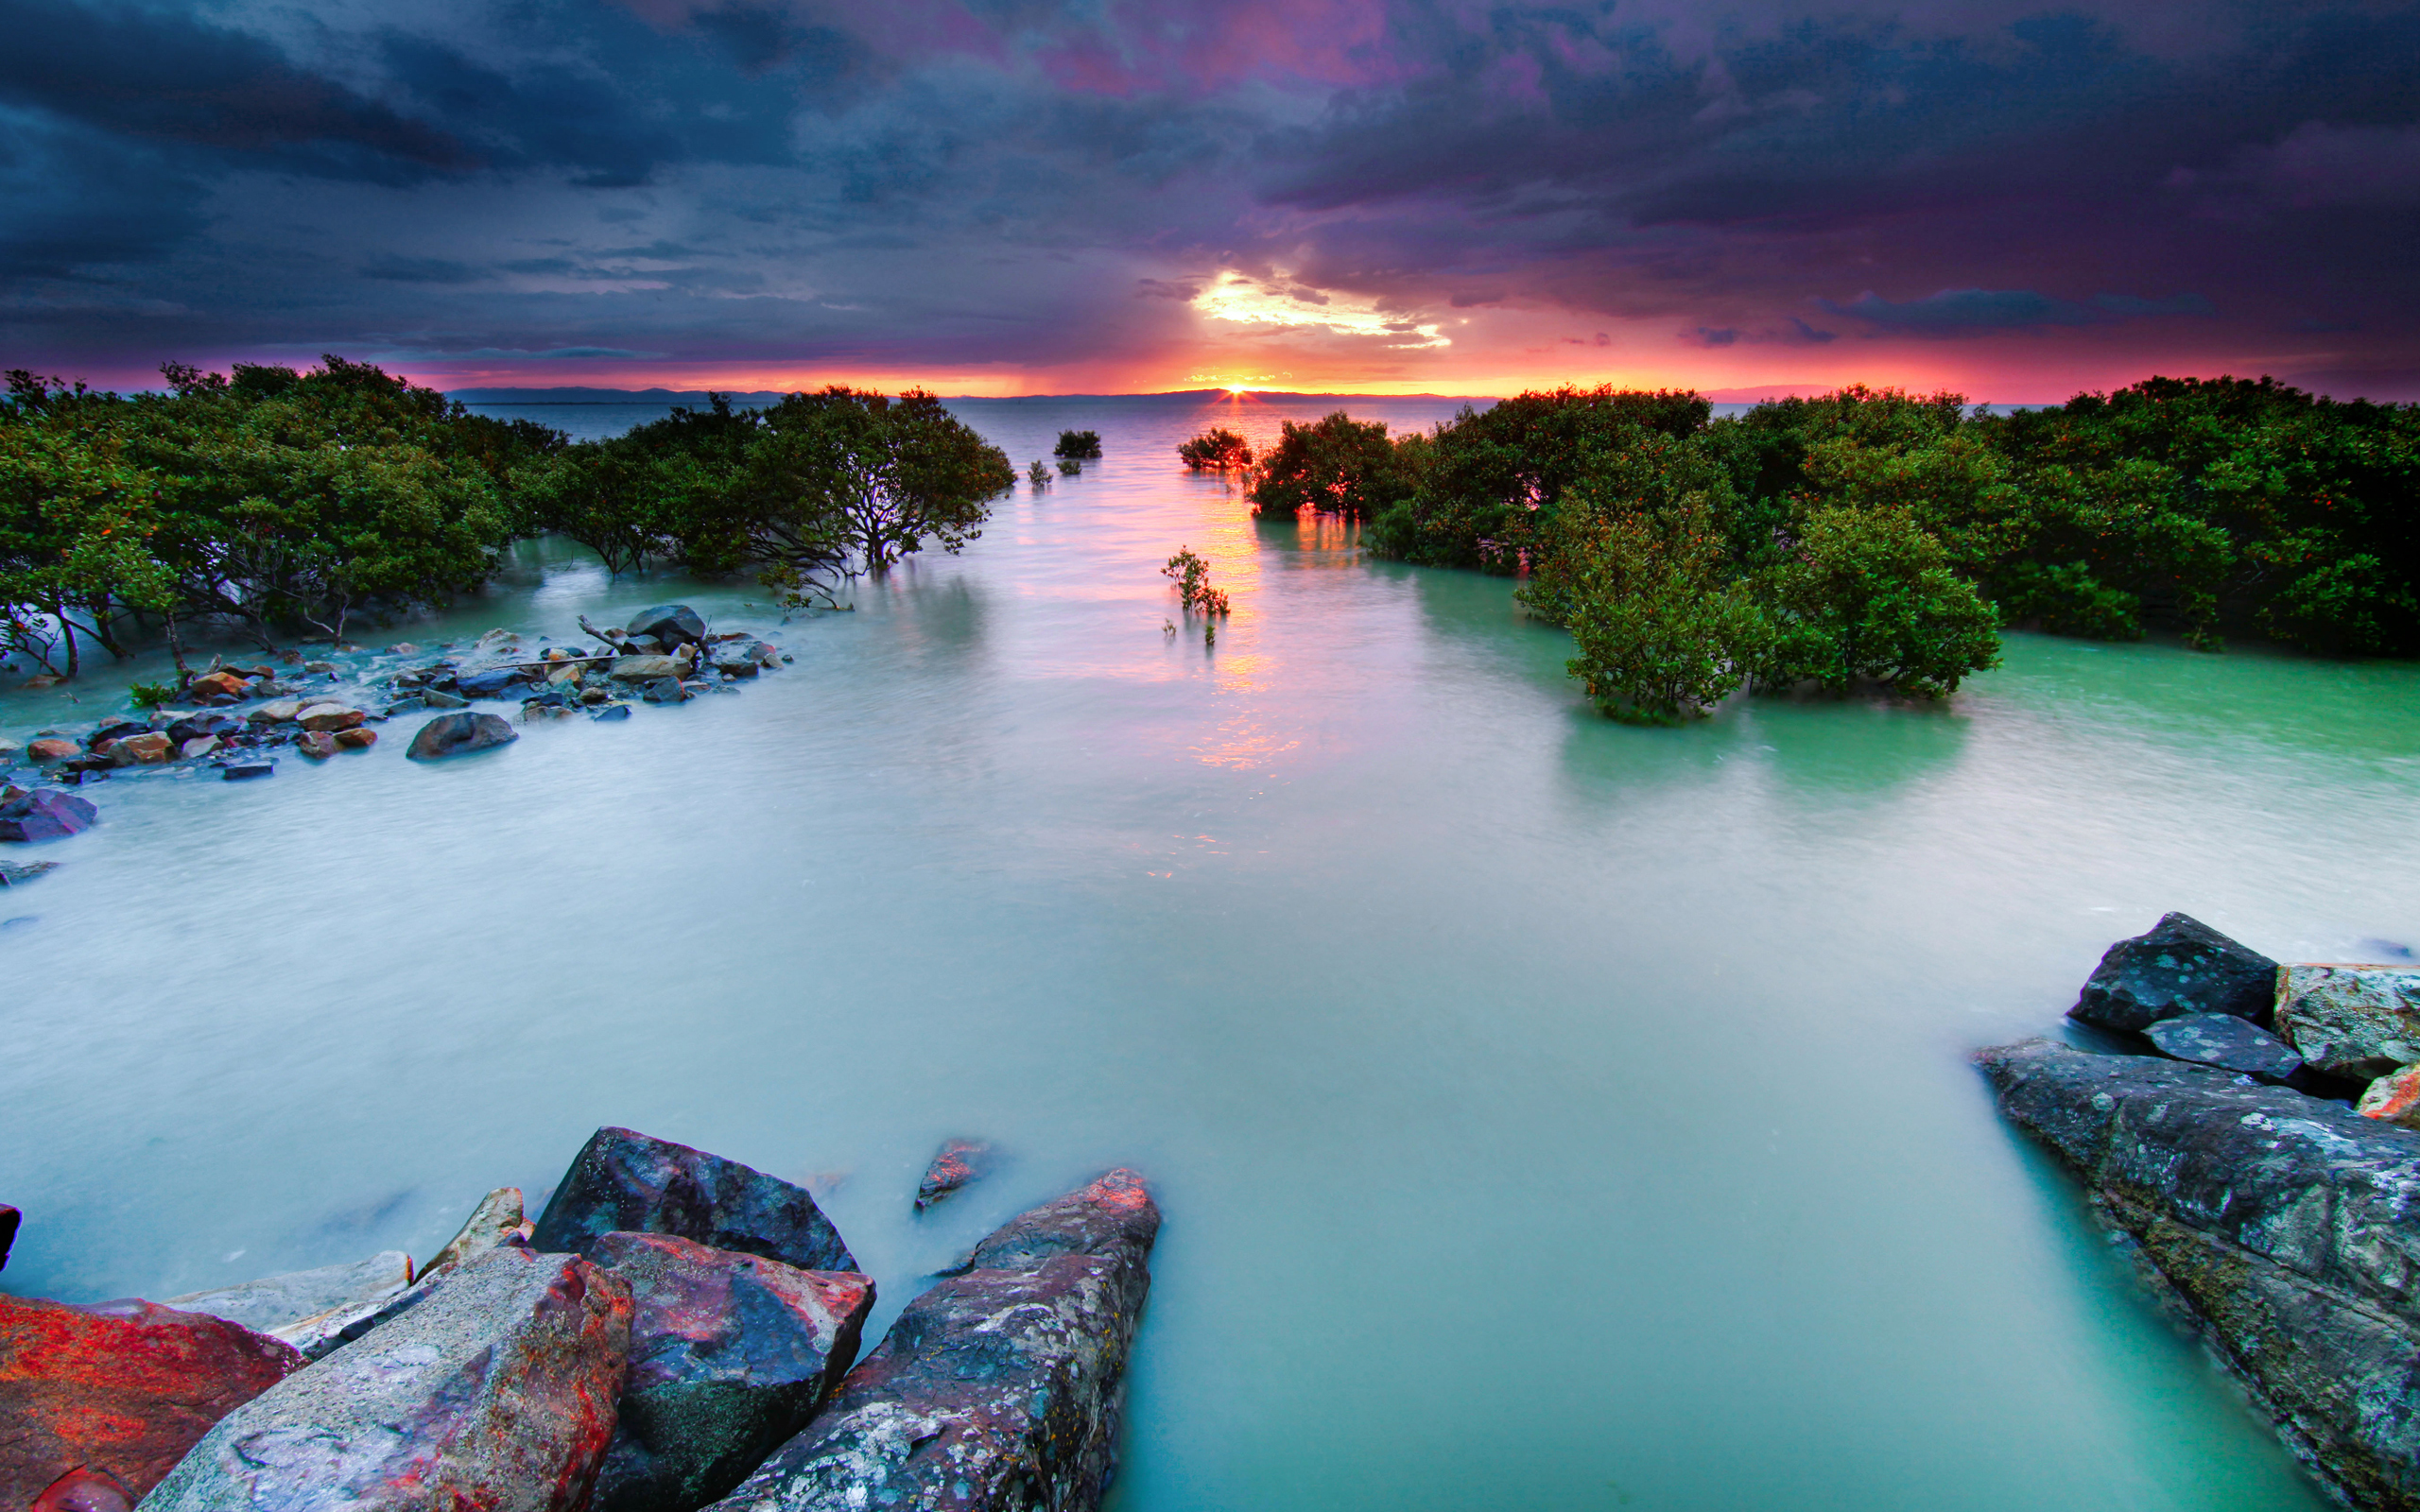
[(670, 624), (124, 1388), (957, 1163), (2224, 1039), (729, 1355), (271, 1303), (633, 1182), (458, 734), (999, 1389), (2350, 1020), (246, 771), (2179, 965), (2283, 1223), (46, 814), (14, 874), (496, 1392)]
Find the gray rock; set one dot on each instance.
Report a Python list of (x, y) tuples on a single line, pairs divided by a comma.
[(744, 658), (246, 771), (2224, 1039), (272, 1302), (670, 624), (957, 1163), (439, 698), (729, 1355), (612, 711), (999, 1390), (625, 1181), (497, 1393), (2179, 965), (457, 735), (2352, 1021), (665, 689), (2281, 1222), (496, 1220), (16, 874)]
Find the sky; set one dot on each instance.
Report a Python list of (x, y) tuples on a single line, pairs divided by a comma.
[(2015, 200)]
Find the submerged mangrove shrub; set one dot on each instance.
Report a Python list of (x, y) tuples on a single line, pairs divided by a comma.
[(1216, 449), (1339, 465), (1079, 445)]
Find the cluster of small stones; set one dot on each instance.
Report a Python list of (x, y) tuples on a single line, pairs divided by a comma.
[(234, 720), (675, 1332)]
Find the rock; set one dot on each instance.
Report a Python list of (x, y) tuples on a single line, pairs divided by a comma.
[(226, 685), (84, 1490), (997, 1391), (459, 733), (495, 1392), (665, 689), (123, 1388), (729, 1355), (739, 658), (538, 714), (496, 1220), (497, 637), (12, 876), (101, 739), (356, 739), (670, 624), (2282, 1222), (317, 743), (645, 668), (320, 668), (617, 710), (437, 698), (246, 771), (199, 726), (2350, 1020), (50, 749), (492, 683), (957, 1162), (277, 712), (628, 1182), (8, 1220), (198, 747), (403, 649), (47, 813), (274, 1303), (565, 673), (2179, 966), (329, 717), (2224, 1039), (148, 750), (2394, 1098)]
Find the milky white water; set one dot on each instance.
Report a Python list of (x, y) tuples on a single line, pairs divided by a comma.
[(1547, 1113)]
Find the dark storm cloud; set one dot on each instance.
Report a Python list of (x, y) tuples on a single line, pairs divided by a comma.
[(972, 181)]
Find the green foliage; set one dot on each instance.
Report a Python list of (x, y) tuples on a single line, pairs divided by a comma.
[(1069, 466), (151, 696), (1664, 631), (1217, 449), (1037, 474), (1868, 594), (1079, 445), (1192, 576), (1337, 465)]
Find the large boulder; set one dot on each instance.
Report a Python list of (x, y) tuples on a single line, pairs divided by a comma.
[(46, 814), (124, 1388), (2352, 1021), (998, 1390), (729, 1355), (301, 1307), (2179, 965), (2283, 1222), (495, 1392), (623, 1181), (670, 624), (458, 734), (2224, 1039)]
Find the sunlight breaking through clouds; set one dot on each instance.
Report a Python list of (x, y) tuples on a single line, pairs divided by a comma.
[(1279, 301)]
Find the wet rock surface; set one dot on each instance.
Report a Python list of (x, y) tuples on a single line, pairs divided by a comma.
[(121, 1389), (669, 624), (632, 1182), (2179, 966), (44, 813), (1000, 1387), (2282, 1222), (729, 1355), (2224, 1039), (957, 1163), (2352, 1021), (459, 734), (495, 1393)]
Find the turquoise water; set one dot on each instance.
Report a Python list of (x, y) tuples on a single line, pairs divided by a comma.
[(1547, 1113)]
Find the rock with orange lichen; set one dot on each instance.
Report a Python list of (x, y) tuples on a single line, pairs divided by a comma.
[(118, 1388), (999, 1389)]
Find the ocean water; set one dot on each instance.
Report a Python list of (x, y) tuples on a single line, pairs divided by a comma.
[(1547, 1113)]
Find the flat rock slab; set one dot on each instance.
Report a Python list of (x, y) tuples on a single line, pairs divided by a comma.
[(958, 1164), (459, 734), (124, 1388), (274, 1301), (2283, 1222), (2179, 965), (47, 813), (2352, 1021), (630, 1182), (2224, 1039), (729, 1355), (646, 668), (495, 1392), (998, 1390)]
